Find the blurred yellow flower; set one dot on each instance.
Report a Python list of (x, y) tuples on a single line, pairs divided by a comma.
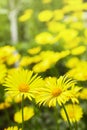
[(48, 59), (11, 98), (74, 112), (4, 105), (34, 50), (12, 128), (68, 34), (44, 38), (55, 27), (5, 52), (28, 114), (83, 94), (55, 90), (78, 50), (79, 72), (58, 14), (72, 62), (22, 82), (13, 59), (77, 25), (25, 61), (45, 15), (26, 16), (72, 43)]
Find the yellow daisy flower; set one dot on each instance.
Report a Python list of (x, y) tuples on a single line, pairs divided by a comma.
[(55, 90), (28, 114), (45, 15), (74, 112), (78, 50), (23, 82)]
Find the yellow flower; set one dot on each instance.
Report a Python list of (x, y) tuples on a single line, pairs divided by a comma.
[(44, 38), (22, 82), (25, 61), (45, 15), (74, 112), (68, 34), (13, 59), (78, 50), (12, 128), (79, 72), (77, 25), (72, 62), (83, 94), (27, 15), (55, 27), (11, 98), (3, 72), (4, 105), (5, 52), (58, 14), (55, 90), (28, 114), (34, 50)]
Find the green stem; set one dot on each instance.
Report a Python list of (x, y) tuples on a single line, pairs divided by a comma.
[(76, 127), (67, 116), (56, 115), (22, 105)]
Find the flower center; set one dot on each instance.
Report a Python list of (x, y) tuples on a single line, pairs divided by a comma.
[(23, 87), (56, 92)]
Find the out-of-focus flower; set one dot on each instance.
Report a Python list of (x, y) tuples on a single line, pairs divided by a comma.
[(68, 34), (58, 14), (26, 16), (4, 105), (74, 112), (83, 94), (25, 61), (78, 50), (13, 59), (28, 114), (5, 52), (48, 59), (44, 38), (34, 50), (72, 62), (79, 72), (55, 27), (77, 25), (45, 15)]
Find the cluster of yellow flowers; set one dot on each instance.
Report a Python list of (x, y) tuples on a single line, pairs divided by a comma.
[(66, 38)]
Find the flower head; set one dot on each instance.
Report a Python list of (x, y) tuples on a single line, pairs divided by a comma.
[(23, 82), (28, 114), (55, 90), (74, 112)]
